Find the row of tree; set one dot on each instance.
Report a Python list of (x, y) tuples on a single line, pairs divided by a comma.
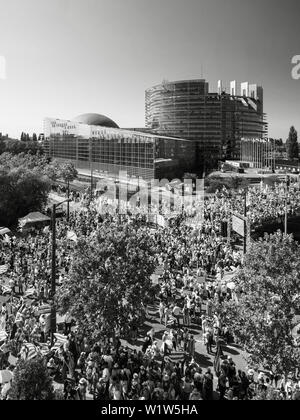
[(16, 147), (25, 137)]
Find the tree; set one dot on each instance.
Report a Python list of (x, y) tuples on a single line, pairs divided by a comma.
[(31, 381), (2, 146), (21, 191), (264, 317), (110, 281), (25, 181), (68, 172), (16, 147), (34, 137), (292, 144)]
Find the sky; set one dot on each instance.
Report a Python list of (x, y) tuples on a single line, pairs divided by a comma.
[(67, 57)]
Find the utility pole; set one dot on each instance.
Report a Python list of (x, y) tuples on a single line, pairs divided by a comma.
[(245, 222), (53, 274), (91, 165), (53, 270), (285, 210), (68, 203), (92, 182)]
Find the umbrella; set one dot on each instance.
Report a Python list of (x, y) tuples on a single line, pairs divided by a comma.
[(231, 285), (5, 376)]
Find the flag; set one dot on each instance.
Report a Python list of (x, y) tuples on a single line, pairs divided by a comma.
[(3, 269), (29, 292), (43, 349), (175, 357), (61, 338), (6, 289), (3, 336), (171, 320), (71, 235), (60, 341), (44, 309), (20, 317), (12, 360), (31, 351)]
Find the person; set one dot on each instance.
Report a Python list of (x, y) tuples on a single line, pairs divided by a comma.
[(186, 315), (167, 313), (208, 385), (82, 390), (196, 395), (296, 393), (222, 383), (51, 367), (231, 371), (176, 313), (68, 323), (187, 387), (191, 346), (161, 311), (208, 339)]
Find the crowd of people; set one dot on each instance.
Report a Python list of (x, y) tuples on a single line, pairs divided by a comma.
[(194, 264)]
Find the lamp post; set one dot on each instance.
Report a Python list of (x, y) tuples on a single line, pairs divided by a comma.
[(287, 184), (68, 202), (53, 268), (245, 221)]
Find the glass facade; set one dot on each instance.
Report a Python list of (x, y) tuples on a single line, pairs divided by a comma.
[(215, 122), (107, 151)]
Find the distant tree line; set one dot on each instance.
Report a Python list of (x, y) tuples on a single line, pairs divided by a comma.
[(26, 137), (25, 145)]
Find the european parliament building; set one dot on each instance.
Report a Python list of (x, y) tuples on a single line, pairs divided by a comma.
[(96, 145), (215, 121)]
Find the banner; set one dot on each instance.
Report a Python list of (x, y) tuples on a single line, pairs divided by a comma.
[(238, 225)]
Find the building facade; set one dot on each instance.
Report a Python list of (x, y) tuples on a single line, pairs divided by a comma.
[(260, 154), (105, 151), (216, 122)]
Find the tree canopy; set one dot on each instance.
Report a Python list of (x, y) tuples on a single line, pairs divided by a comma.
[(292, 144), (110, 281), (16, 147), (25, 181), (264, 317), (31, 381), (68, 172), (215, 183)]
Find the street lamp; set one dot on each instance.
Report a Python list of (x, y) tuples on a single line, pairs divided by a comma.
[(53, 267)]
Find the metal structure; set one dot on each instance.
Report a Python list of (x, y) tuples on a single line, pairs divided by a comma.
[(107, 151), (216, 122)]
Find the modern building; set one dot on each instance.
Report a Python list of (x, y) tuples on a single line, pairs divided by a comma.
[(96, 146), (259, 153), (216, 122)]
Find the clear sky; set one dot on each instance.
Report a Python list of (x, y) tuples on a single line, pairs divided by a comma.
[(67, 57)]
